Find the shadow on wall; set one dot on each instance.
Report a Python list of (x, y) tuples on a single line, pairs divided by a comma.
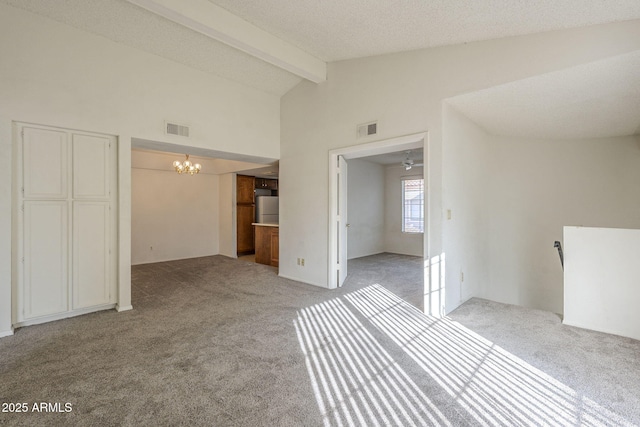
[(470, 380)]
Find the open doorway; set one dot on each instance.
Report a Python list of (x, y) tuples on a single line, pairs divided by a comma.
[(340, 225), (385, 223), (179, 215)]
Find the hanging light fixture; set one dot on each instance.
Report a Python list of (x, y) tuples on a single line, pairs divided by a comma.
[(187, 166), (408, 162)]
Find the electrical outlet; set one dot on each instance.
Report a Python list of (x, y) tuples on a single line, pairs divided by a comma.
[(462, 276), (302, 262)]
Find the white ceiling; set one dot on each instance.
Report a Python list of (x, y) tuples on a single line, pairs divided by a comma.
[(160, 156), (396, 158), (596, 100), (336, 30), (599, 99), (161, 160)]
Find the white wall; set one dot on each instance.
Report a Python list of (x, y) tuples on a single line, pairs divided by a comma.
[(63, 76), (539, 186), (375, 210), (365, 208), (509, 199), (57, 75), (395, 241), (173, 216), (466, 196), (404, 92), (602, 280)]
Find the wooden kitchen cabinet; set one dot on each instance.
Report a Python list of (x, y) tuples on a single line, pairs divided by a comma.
[(268, 184), (245, 186), (267, 245), (245, 214), (275, 246), (245, 242)]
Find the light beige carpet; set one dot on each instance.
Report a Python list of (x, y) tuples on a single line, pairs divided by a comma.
[(220, 342)]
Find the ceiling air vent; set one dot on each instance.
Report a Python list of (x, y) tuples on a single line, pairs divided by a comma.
[(367, 129), (176, 129)]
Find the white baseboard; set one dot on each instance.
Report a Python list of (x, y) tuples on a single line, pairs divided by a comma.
[(6, 333), (124, 308), (65, 315), (302, 281)]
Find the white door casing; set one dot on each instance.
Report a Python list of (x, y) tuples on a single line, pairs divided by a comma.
[(342, 220), (337, 268)]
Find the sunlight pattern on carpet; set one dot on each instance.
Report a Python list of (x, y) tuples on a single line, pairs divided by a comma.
[(492, 385), (355, 380)]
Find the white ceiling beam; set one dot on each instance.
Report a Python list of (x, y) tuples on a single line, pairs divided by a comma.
[(219, 24)]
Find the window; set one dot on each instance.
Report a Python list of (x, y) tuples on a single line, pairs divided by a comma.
[(412, 205)]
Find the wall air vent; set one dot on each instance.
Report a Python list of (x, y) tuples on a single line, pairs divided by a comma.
[(367, 129), (176, 129)]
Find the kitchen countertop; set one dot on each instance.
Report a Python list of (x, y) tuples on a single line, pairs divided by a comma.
[(266, 224)]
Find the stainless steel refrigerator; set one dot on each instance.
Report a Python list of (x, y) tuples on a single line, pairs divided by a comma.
[(267, 210)]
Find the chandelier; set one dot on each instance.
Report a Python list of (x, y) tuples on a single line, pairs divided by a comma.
[(187, 166)]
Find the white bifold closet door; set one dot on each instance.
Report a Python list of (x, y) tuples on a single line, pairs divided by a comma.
[(45, 258), (67, 223), (91, 224)]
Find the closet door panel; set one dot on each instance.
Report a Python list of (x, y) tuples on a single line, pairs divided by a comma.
[(44, 163), (66, 228), (90, 166), (46, 258), (91, 275)]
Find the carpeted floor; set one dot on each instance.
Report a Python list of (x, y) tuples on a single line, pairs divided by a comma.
[(221, 342)]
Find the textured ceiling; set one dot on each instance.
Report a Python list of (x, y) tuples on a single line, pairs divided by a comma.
[(600, 99), (334, 30)]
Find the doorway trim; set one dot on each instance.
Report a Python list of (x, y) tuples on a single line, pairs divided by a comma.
[(337, 186)]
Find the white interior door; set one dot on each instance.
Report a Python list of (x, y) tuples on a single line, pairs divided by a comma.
[(46, 283), (44, 164), (91, 220), (91, 275), (91, 167), (337, 221)]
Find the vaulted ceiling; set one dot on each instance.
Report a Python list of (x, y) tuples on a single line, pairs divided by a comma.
[(337, 30), (272, 45)]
